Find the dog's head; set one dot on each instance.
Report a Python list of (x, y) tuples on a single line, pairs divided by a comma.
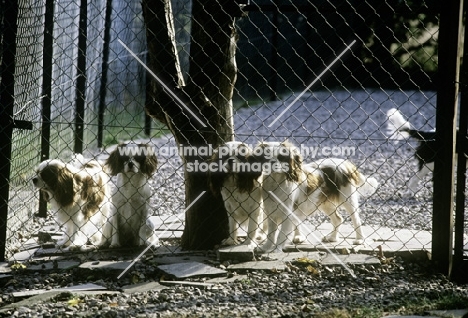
[(233, 158), (132, 158), (68, 184), (280, 157), (55, 181)]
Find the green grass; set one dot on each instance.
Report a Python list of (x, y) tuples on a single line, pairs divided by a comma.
[(129, 125)]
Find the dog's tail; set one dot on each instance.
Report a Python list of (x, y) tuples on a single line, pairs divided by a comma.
[(367, 185), (398, 128), (341, 172)]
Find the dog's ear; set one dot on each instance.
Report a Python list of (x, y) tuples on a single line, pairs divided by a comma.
[(295, 170), (258, 154), (63, 189), (291, 155), (115, 162), (150, 162), (91, 192)]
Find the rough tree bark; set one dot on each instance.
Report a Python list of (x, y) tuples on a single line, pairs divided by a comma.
[(207, 93)]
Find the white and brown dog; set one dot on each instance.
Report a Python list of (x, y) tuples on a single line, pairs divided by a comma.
[(130, 225), (280, 163), (240, 188), (78, 193), (293, 191), (331, 184)]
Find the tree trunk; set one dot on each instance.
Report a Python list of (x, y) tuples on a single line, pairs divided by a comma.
[(205, 118)]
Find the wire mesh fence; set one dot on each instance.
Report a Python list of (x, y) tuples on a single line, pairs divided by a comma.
[(324, 76)]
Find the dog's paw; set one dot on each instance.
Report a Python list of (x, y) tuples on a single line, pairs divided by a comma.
[(88, 248), (230, 241), (299, 239), (250, 244), (114, 245), (268, 248), (358, 242), (329, 239), (153, 241)]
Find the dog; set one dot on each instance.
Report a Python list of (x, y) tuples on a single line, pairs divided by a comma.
[(240, 188), (130, 225), (280, 190), (292, 191), (398, 128), (78, 192), (331, 184)]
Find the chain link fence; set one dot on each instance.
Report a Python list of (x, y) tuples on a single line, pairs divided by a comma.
[(322, 75)]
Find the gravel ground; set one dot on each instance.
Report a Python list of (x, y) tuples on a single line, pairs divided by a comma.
[(395, 288), (319, 119)]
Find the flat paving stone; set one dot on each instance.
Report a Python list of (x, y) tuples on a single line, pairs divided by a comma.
[(5, 268), (241, 253), (54, 265), (168, 259), (142, 287), (191, 269), (106, 265), (334, 259), (72, 289)]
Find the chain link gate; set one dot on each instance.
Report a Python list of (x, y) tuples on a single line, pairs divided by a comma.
[(323, 75)]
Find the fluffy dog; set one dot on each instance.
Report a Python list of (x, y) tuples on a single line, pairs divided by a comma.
[(399, 128), (78, 193), (240, 188), (331, 184), (133, 164), (280, 163), (292, 191)]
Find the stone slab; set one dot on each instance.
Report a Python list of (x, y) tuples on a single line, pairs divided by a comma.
[(241, 253), (259, 265), (334, 259), (164, 260), (106, 265), (142, 287), (72, 289), (225, 280), (277, 261), (5, 268), (54, 265), (392, 241), (40, 298), (189, 284), (23, 255), (191, 269)]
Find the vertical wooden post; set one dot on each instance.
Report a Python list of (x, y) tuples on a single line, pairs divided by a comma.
[(104, 69), (7, 100), (47, 56), (459, 270), (81, 77), (447, 101)]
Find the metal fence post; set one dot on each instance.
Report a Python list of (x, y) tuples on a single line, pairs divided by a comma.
[(104, 70), (81, 80), (447, 101), (7, 99)]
